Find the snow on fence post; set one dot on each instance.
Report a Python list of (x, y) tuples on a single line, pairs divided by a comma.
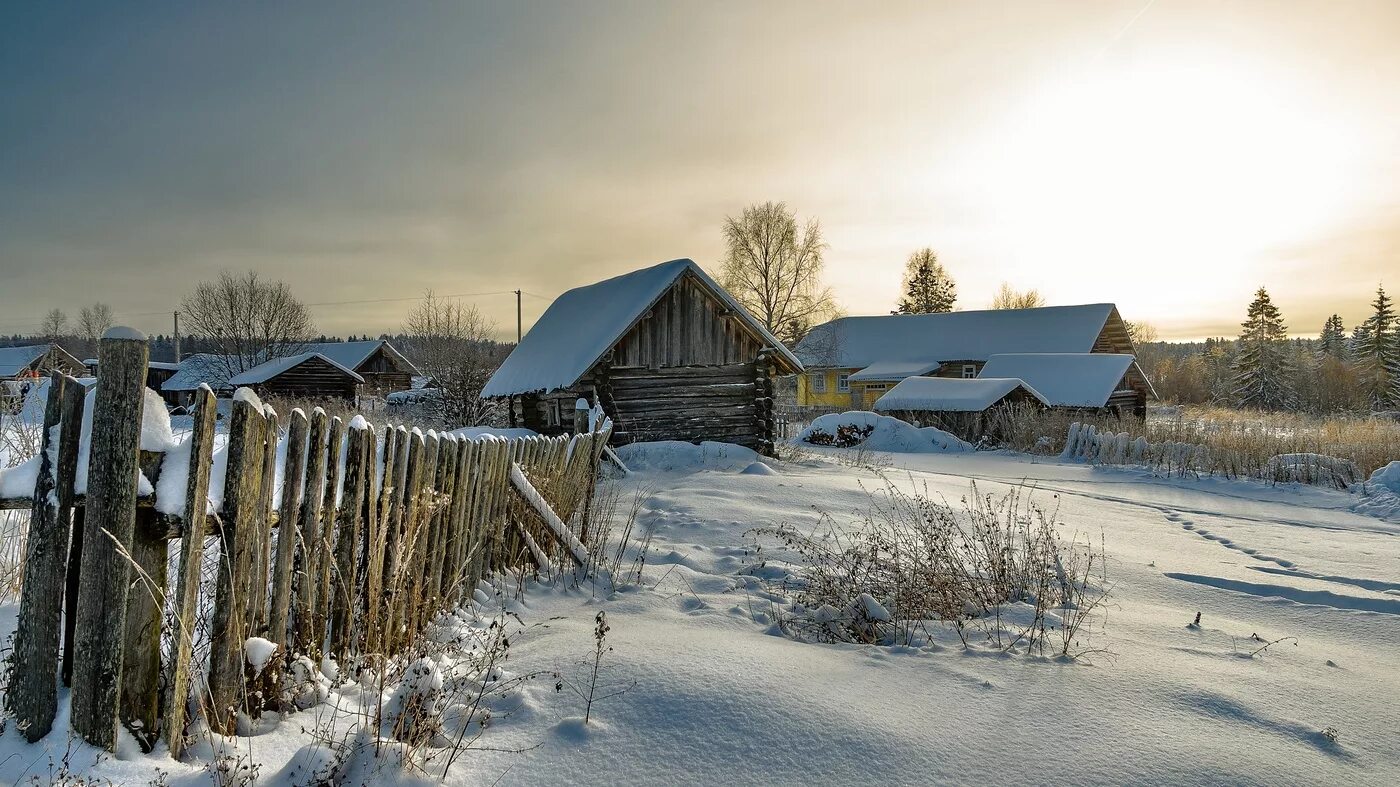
[(531, 495), (361, 609), (187, 570), (258, 619), (293, 479), (347, 525), (581, 410), (33, 690), (109, 522), (309, 521), (376, 544), (237, 537)]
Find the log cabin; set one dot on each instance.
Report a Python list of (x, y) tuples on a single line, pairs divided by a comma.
[(382, 366), (973, 410), (665, 351), (20, 367), (308, 375), (852, 361)]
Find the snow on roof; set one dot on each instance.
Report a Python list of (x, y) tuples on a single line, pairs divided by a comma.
[(352, 354), (1064, 379), (270, 369), (14, 360), (951, 394), (199, 369), (857, 342), (579, 327), (894, 370)]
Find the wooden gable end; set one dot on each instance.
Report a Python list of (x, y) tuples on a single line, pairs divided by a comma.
[(687, 326), (1114, 336)]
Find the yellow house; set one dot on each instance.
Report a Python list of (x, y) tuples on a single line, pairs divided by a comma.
[(851, 361)]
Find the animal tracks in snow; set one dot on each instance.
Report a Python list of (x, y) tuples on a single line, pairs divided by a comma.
[(1187, 524)]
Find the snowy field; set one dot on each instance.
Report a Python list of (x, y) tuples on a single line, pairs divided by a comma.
[(712, 692)]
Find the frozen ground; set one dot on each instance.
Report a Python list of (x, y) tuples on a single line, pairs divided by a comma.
[(717, 696)]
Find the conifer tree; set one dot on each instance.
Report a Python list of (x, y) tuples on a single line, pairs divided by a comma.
[(1332, 342), (927, 286), (1376, 346), (1263, 363)]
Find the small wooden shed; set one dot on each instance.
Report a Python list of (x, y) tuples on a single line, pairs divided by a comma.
[(378, 362), (971, 409), (666, 352), (306, 375)]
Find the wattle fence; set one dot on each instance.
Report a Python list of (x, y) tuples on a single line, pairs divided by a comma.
[(331, 539)]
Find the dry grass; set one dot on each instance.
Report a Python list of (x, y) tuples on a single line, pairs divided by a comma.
[(1237, 443)]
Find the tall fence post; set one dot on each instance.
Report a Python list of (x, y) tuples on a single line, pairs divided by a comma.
[(145, 606), (33, 689), (287, 528), (70, 437), (187, 576), (347, 527), (310, 534), (110, 520)]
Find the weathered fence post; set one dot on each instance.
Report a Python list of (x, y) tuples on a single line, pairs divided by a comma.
[(108, 526), (310, 534), (347, 525), (187, 576), (262, 557), (237, 538), (292, 480), (145, 607), (325, 547), (33, 691), (70, 436)]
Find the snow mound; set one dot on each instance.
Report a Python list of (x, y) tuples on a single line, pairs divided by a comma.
[(1382, 496), (1311, 468), (1388, 477), (758, 468), (675, 455), (881, 433)]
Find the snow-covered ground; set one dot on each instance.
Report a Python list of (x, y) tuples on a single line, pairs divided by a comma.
[(714, 693)]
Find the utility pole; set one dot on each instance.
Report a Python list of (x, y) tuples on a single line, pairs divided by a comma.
[(177, 336), (517, 317)]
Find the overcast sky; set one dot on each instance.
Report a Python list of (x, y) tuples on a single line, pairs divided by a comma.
[(1170, 157)]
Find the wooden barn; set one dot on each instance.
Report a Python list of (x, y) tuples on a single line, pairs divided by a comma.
[(308, 375), (971, 409), (381, 365), (666, 352), (1089, 382), (37, 360)]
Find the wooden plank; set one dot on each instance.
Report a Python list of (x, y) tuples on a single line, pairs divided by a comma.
[(366, 569), (108, 526), (325, 546), (258, 618), (347, 525), (141, 673), (293, 480), (237, 540), (187, 572), (70, 437), (33, 691), (376, 545), (309, 519), (397, 589)]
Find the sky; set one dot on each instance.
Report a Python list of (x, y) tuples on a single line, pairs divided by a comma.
[(1168, 156)]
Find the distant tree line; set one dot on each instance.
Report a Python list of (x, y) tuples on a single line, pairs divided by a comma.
[(1338, 372)]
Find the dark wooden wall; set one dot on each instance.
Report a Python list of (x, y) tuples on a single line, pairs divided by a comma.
[(686, 327), (382, 372), (311, 379)]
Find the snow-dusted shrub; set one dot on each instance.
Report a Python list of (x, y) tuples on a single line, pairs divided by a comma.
[(915, 560), (415, 709)]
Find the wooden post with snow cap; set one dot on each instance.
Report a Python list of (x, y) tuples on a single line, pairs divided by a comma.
[(258, 613), (309, 535), (292, 480), (227, 623), (109, 522), (325, 545), (145, 603), (187, 572), (33, 689), (581, 409)]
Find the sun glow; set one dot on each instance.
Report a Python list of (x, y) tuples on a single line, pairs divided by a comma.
[(1190, 168)]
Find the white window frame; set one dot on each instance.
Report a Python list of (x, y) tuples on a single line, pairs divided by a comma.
[(969, 371), (816, 382), (843, 382)]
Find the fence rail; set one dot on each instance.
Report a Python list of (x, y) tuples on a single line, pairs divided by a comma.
[(369, 534)]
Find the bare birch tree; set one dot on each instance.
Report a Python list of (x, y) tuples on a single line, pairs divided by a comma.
[(1008, 298), (774, 269), (451, 343), (55, 325), (93, 321), (246, 320)]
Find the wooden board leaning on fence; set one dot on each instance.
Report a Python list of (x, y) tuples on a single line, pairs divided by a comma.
[(346, 548)]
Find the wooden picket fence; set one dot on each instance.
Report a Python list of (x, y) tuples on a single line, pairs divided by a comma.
[(351, 558)]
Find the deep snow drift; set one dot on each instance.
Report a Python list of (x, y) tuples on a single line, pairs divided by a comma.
[(715, 694)]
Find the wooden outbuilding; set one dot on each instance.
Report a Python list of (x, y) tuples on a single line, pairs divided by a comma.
[(378, 362), (304, 376), (1085, 382), (666, 352), (970, 409)]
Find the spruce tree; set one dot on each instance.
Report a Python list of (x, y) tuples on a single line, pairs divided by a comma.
[(927, 286), (1376, 346), (1263, 363), (1332, 342)]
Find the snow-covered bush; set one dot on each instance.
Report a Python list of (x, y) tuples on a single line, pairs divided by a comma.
[(997, 564), (875, 432)]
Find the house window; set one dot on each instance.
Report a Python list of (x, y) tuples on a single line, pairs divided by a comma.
[(816, 381), (969, 371), (843, 382)]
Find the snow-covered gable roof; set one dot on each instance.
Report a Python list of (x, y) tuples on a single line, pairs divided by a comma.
[(951, 394), (352, 354), (14, 360), (584, 323), (270, 369), (1065, 379), (199, 369), (894, 370), (856, 342)]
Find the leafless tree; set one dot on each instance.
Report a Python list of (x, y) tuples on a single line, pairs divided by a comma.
[(451, 343), (774, 269), (246, 319), (93, 321), (1008, 298), (55, 325)]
